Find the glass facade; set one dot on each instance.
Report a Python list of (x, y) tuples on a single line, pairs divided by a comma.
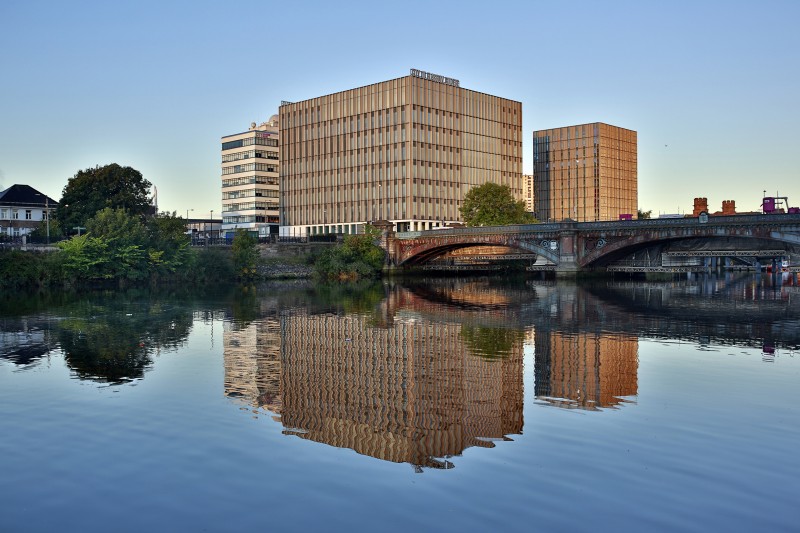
[(585, 173), (405, 150)]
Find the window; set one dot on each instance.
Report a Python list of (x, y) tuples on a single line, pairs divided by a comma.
[(233, 144), (28, 214)]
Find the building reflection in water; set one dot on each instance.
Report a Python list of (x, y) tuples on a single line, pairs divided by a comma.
[(585, 370), (253, 363), (411, 391)]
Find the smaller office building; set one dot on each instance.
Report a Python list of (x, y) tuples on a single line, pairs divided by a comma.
[(22, 210), (250, 180), (585, 173), (527, 192)]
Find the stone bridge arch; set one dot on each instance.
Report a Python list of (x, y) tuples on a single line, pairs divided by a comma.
[(420, 250)]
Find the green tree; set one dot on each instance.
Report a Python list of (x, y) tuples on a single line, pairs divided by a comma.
[(211, 265), (245, 255), (168, 243), (493, 205), (94, 189), (125, 239), (117, 227), (641, 215)]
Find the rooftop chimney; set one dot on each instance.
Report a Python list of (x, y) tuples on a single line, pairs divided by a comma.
[(700, 204)]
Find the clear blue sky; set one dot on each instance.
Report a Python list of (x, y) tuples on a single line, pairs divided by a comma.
[(712, 88)]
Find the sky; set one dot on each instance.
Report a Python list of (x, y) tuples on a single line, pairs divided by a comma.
[(711, 87)]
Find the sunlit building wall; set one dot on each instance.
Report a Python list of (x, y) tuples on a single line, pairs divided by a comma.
[(527, 192), (250, 162), (585, 173), (405, 150)]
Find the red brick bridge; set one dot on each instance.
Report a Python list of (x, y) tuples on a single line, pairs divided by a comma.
[(636, 245)]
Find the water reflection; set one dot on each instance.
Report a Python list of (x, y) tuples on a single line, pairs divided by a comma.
[(114, 341), (104, 337), (387, 384), (412, 372), (401, 373), (586, 370)]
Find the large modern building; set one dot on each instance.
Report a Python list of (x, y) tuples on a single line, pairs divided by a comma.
[(250, 179), (405, 150), (22, 209), (585, 173)]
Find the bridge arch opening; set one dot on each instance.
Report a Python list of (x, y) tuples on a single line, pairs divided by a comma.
[(434, 252), (631, 250)]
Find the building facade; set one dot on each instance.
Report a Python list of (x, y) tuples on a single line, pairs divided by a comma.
[(405, 150), (585, 173), (527, 192), (250, 180), (22, 210)]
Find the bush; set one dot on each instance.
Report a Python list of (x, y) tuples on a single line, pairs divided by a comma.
[(29, 269), (211, 265), (245, 255), (357, 257)]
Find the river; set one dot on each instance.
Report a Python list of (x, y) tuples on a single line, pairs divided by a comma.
[(454, 404)]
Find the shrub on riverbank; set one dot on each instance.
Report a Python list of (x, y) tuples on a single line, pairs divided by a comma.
[(86, 265), (29, 269), (119, 249), (357, 257)]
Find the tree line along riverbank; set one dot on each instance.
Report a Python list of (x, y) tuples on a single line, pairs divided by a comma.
[(123, 250)]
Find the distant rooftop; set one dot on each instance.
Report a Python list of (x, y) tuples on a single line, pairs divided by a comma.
[(25, 196)]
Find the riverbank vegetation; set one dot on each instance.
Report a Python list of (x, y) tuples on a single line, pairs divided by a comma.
[(124, 250), (107, 234), (358, 257)]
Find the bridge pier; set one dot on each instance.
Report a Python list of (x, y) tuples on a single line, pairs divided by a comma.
[(567, 255)]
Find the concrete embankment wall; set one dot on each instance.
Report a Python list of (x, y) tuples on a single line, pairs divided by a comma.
[(289, 260)]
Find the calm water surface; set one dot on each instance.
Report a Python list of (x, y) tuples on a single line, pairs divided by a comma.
[(449, 405)]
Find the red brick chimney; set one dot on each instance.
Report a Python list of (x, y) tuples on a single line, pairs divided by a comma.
[(700, 204), (728, 207)]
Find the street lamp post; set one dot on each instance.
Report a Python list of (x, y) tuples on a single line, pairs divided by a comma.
[(47, 210), (46, 215)]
